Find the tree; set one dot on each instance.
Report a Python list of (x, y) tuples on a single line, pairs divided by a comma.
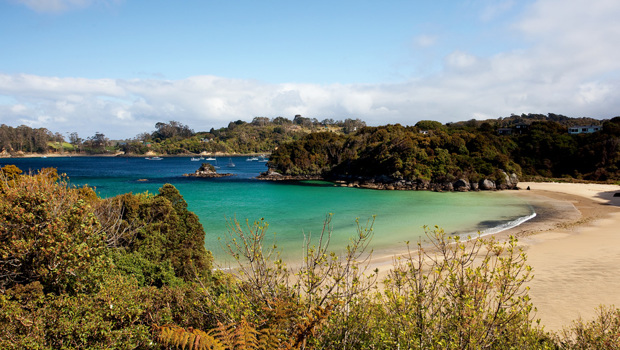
[(49, 234)]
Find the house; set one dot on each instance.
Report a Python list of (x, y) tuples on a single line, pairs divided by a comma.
[(504, 131), (584, 129), (521, 128)]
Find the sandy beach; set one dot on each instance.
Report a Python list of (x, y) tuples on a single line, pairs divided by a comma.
[(574, 249), (573, 246)]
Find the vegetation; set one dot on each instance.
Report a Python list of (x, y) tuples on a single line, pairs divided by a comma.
[(531, 146), (430, 151), (261, 135), (78, 271)]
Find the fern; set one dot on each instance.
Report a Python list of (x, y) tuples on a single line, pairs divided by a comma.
[(190, 339), (308, 328), (242, 335)]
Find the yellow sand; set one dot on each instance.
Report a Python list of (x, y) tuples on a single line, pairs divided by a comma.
[(576, 260)]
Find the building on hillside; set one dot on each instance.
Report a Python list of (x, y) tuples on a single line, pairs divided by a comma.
[(521, 128), (584, 129), (504, 131)]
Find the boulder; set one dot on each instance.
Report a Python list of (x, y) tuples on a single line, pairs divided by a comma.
[(487, 185), (461, 185), (514, 179)]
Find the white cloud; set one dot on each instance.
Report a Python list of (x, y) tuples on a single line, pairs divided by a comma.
[(494, 9), (570, 66), (425, 40)]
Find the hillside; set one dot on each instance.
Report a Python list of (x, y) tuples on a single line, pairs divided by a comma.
[(436, 153)]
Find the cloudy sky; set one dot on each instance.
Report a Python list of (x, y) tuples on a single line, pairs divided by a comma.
[(120, 66)]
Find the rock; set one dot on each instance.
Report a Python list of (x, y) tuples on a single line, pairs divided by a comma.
[(206, 170), (423, 184), (474, 186), (487, 185), (461, 185), (514, 179)]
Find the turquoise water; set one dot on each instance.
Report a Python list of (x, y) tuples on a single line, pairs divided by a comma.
[(291, 209)]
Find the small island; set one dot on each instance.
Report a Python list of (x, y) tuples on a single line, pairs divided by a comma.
[(207, 170)]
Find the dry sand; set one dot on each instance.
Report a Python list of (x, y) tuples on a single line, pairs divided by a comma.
[(573, 245), (574, 249)]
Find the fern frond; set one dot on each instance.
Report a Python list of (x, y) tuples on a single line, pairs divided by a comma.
[(270, 338), (191, 339), (225, 334), (307, 329), (245, 336)]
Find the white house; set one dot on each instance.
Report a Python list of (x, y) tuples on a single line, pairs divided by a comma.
[(584, 129)]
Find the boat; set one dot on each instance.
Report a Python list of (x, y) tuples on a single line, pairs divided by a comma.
[(230, 163), (210, 158), (253, 159), (263, 159), (195, 159), (153, 158)]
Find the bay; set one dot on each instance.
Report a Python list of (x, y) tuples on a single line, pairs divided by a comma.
[(293, 210)]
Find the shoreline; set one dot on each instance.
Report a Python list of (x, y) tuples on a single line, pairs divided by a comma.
[(572, 244), (575, 253), (132, 155)]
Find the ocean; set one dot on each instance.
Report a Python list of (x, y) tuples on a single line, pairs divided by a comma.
[(292, 210)]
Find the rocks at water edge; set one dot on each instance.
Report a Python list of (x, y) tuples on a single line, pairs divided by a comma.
[(207, 170), (384, 182)]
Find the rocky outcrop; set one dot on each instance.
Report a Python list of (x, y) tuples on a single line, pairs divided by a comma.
[(384, 182), (271, 175), (207, 170)]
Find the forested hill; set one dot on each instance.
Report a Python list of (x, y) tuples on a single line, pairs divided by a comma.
[(432, 152), (261, 135)]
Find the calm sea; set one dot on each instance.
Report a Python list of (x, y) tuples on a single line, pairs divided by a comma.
[(292, 210)]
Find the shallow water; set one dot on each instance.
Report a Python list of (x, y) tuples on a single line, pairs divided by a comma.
[(291, 209)]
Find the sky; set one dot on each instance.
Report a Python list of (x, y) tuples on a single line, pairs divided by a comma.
[(120, 66)]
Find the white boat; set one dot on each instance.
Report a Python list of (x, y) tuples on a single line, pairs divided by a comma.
[(230, 163), (210, 158), (195, 159), (253, 159), (153, 158)]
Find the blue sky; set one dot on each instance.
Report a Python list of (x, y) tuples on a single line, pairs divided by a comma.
[(119, 67)]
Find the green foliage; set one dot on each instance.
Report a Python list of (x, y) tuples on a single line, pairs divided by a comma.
[(459, 295), (109, 318), (603, 332), (26, 139), (433, 152), (156, 238), (77, 271), (393, 153), (49, 234)]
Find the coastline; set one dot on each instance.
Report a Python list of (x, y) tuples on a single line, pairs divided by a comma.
[(573, 246), (574, 251), (59, 155)]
